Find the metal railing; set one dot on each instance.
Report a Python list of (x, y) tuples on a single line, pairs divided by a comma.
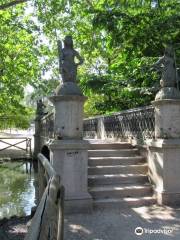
[(48, 221), (47, 125), (136, 123)]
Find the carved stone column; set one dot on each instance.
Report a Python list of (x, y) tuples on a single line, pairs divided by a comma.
[(164, 152), (68, 152)]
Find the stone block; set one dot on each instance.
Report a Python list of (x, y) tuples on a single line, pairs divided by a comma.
[(69, 158), (167, 118), (68, 116), (164, 165)]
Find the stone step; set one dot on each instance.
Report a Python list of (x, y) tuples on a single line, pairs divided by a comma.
[(124, 202), (115, 169), (106, 161), (109, 179), (113, 152), (120, 191), (108, 145)]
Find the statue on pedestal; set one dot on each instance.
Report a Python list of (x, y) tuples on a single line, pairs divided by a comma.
[(168, 82), (68, 67), (168, 68), (41, 109), (67, 64)]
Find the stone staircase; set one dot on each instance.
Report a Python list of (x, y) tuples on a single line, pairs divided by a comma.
[(117, 175)]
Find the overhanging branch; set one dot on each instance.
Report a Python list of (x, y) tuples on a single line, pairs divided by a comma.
[(12, 3)]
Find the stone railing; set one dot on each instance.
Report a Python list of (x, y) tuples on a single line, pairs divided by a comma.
[(138, 123), (48, 221)]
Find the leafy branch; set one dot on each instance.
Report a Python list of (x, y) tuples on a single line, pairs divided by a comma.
[(12, 3)]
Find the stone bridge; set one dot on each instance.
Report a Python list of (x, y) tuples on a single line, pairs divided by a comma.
[(132, 155)]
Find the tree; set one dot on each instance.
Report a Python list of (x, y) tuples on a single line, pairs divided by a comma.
[(19, 63), (119, 40), (11, 4)]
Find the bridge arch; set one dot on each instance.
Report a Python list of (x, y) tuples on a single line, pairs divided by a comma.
[(46, 152)]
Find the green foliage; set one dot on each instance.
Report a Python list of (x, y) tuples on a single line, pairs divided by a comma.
[(19, 120), (19, 64), (119, 40)]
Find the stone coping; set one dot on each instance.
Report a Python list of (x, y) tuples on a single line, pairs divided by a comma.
[(69, 144), (165, 101), (57, 98), (78, 196), (164, 143)]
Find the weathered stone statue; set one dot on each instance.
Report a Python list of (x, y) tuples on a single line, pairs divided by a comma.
[(68, 67), (67, 55), (168, 67), (41, 109), (168, 82), (68, 150)]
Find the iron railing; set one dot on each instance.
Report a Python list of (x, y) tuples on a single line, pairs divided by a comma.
[(90, 127), (47, 125), (48, 221), (136, 123)]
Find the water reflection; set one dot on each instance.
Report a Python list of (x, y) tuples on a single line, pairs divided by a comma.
[(17, 191)]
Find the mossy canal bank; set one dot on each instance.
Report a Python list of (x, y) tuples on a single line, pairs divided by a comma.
[(14, 228), (17, 188)]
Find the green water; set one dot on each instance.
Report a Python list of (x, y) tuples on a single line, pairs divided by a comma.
[(17, 190)]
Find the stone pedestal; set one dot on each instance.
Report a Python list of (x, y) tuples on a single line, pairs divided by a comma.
[(69, 158), (164, 152), (68, 152), (167, 118), (68, 116), (164, 170)]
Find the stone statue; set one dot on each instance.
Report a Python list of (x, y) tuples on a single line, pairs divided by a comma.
[(40, 111), (168, 68), (168, 82), (67, 64)]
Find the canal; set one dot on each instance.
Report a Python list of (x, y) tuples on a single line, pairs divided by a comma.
[(17, 188)]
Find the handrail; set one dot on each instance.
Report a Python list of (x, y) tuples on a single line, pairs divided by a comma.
[(138, 123), (48, 221), (121, 112), (46, 125), (46, 164)]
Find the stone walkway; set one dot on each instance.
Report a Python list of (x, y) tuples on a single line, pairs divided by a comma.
[(116, 224), (120, 224)]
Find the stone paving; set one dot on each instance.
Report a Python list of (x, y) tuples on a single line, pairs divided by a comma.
[(120, 224)]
